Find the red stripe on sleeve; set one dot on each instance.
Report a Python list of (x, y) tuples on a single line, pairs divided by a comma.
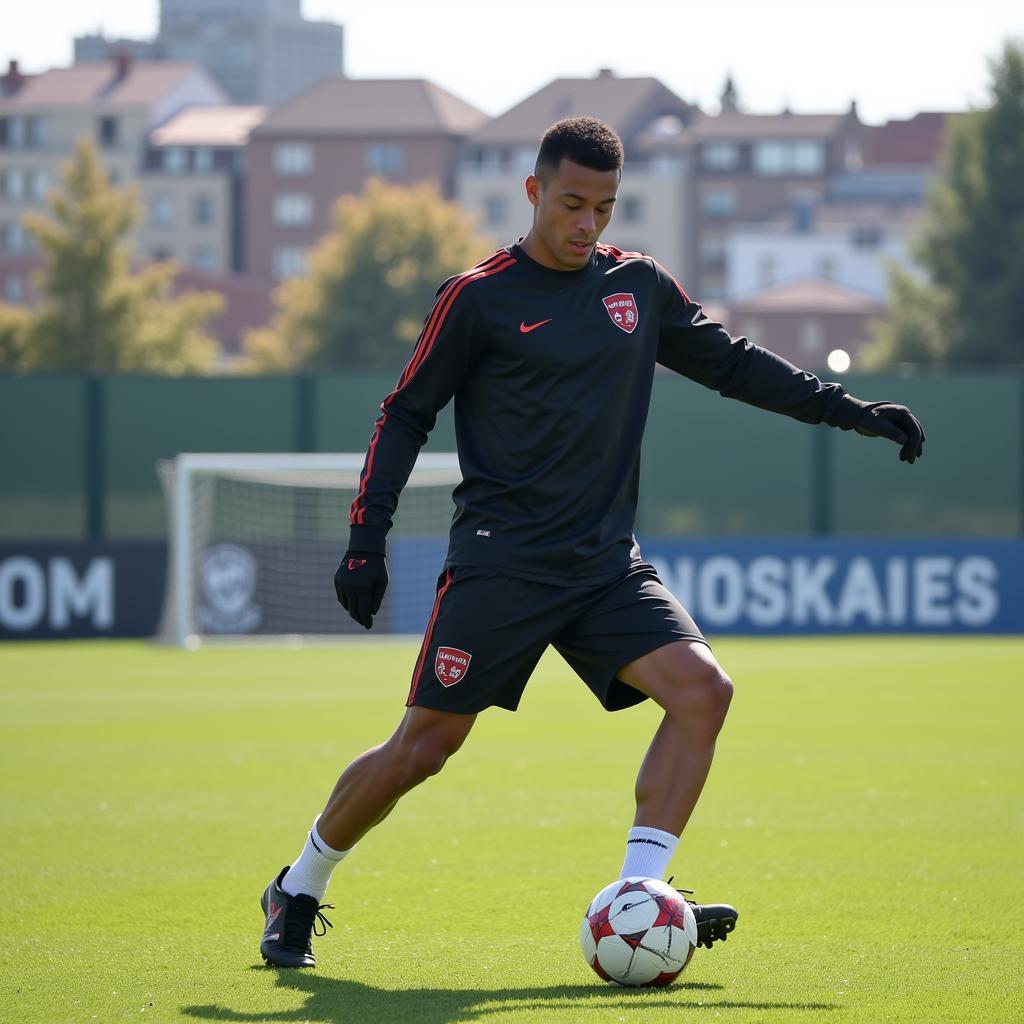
[(436, 313), (495, 264), (426, 637)]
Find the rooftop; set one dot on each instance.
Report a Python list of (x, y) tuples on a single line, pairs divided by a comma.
[(132, 83), (374, 106), (807, 295), (915, 142), (627, 104), (209, 126)]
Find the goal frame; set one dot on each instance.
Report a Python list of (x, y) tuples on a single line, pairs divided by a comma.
[(443, 467)]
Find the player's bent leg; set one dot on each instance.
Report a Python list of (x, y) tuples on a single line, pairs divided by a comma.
[(374, 782), (364, 795), (687, 682)]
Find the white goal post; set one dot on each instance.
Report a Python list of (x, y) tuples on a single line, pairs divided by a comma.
[(254, 540)]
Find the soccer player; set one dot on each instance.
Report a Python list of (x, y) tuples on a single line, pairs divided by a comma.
[(549, 349)]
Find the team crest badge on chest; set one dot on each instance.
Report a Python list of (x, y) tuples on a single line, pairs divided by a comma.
[(622, 309), (451, 665)]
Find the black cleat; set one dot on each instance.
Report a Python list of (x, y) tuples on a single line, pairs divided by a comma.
[(292, 921), (714, 920)]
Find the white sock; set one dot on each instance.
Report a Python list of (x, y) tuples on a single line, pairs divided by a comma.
[(311, 873), (648, 851)]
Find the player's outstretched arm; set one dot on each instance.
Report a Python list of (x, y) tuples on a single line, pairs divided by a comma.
[(898, 424), (701, 349)]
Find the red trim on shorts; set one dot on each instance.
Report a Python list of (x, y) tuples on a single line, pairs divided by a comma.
[(426, 637)]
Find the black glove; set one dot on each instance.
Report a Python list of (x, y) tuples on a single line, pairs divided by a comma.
[(897, 423), (360, 583)]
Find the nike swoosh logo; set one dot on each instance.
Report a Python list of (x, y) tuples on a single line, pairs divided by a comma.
[(525, 328)]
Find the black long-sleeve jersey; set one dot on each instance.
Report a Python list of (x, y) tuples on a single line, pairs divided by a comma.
[(551, 372)]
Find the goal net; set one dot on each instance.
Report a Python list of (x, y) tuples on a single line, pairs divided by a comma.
[(255, 540)]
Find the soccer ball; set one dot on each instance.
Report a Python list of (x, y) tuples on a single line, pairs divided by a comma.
[(638, 931)]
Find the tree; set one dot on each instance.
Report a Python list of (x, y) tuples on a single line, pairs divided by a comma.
[(96, 313), (14, 325), (971, 310), (371, 281)]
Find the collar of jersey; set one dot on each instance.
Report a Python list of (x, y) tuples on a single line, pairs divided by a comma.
[(517, 250)]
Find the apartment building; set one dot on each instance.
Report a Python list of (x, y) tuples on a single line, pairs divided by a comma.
[(744, 167), (328, 142), (193, 188), (116, 104), (650, 211)]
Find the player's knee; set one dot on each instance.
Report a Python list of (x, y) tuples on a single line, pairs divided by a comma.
[(427, 754), (706, 695)]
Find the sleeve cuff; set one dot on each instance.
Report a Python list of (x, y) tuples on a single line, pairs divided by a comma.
[(847, 413), (367, 538)]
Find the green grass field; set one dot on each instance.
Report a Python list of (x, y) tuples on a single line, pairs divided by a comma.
[(865, 814)]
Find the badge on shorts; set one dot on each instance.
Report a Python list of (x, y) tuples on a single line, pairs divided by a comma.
[(622, 309), (451, 665)]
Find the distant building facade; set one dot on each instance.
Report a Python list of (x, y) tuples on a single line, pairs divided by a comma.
[(115, 104), (650, 210), (328, 142), (193, 184), (744, 167), (261, 52)]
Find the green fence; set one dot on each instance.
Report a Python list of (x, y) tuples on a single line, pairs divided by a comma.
[(78, 455)]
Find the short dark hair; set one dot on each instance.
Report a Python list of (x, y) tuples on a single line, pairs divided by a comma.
[(583, 140)]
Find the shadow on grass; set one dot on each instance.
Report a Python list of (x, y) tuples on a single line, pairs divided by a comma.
[(338, 1000)]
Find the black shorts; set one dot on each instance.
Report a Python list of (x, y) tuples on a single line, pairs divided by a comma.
[(488, 631)]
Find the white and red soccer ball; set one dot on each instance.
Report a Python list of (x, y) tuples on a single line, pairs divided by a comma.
[(638, 931)]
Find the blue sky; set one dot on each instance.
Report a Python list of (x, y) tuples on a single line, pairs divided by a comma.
[(893, 57)]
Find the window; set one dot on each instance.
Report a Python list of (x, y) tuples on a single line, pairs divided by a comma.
[(161, 210), (712, 251), (718, 204), (203, 257), (175, 159), (12, 236), (802, 208), (868, 236), (789, 156), (767, 270), (5, 131), (826, 267), (203, 209), (385, 158), (107, 132), (289, 260), (38, 182), (293, 209), (810, 336), (293, 159), (495, 210), (491, 158), (632, 209), (720, 156), (12, 183), (35, 132), (202, 159), (14, 287), (161, 253)]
